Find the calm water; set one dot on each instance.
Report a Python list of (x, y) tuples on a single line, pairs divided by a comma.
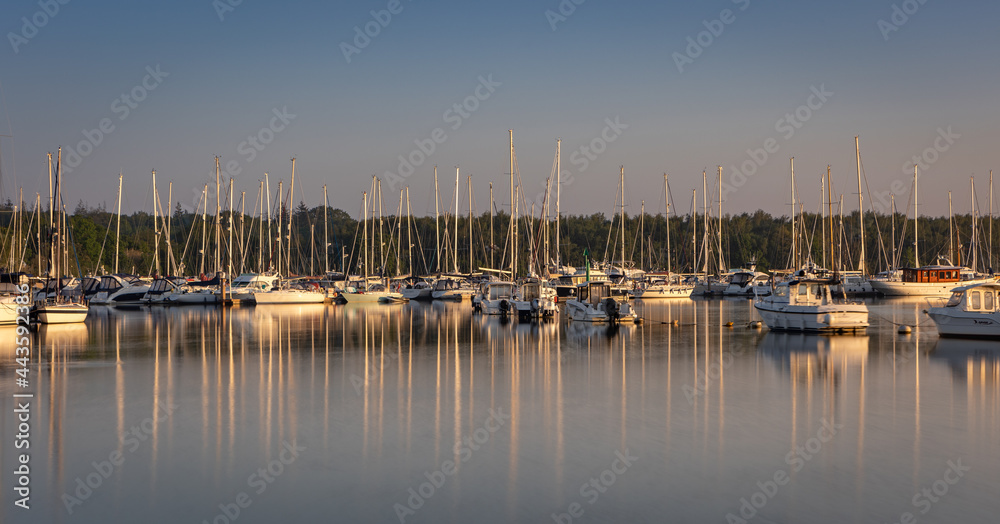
[(335, 413)]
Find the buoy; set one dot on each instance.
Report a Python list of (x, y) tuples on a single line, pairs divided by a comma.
[(675, 323), (728, 324), (756, 324), (905, 330)]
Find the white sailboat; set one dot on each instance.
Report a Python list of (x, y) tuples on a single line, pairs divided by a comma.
[(58, 309)]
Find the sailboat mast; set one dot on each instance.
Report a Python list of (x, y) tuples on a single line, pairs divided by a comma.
[(621, 185), (364, 243), (916, 214), (704, 198), (642, 233), (951, 232), (437, 219), (829, 213), (972, 238), (822, 195), (118, 228), (267, 197), (666, 196), (694, 231), (491, 227), (471, 266), (326, 238), (558, 194), (513, 222), (218, 217), (454, 258), (861, 210), (291, 193), (989, 245), (281, 205), (795, 233), (156, 232), (722, 264), (409, 232)]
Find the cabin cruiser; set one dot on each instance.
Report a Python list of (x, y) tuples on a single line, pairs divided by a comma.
[(160, 288), (742, 283), (496, 298), (245, 287), (533, 301), (807, 305), (972, 311), (420, 290), (373, 293), (669, 286), (447, 288), (594, 303), (120, 289)]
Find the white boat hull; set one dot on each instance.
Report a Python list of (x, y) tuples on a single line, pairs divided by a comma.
[(61, 313), (953, 322), (664, 292), (289, 296), (8, 310), (896, 288), (814, 318)]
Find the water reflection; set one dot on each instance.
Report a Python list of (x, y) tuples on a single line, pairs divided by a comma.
[(380, 395)]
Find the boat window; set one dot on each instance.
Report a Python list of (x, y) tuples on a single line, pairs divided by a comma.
[(988, 300), (974, 296), (781, 291), (803, 290), (815, 291), (956, 299)]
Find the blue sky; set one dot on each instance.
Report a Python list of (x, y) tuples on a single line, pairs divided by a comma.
[(931, 83)]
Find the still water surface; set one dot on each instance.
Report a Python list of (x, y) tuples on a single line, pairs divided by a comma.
[(427, 413)]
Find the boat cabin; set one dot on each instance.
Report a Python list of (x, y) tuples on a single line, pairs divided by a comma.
[(593, 292), (500, 291), (981, 298), (531, 290), (807, 292), (932, 274)]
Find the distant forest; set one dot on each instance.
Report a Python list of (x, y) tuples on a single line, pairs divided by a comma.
[(746, 237)]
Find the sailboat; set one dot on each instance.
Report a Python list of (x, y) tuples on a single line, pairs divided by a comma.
[(58, 309), (936, 280), (806, 302)]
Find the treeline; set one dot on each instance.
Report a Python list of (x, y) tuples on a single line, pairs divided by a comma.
[(410, 246)]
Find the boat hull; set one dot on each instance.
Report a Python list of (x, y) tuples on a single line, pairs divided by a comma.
[(896, 288), (61, 313), (831, 318), (289, 296), (952, 322)]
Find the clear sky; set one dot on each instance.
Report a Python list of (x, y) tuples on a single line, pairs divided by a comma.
[(177, 83)]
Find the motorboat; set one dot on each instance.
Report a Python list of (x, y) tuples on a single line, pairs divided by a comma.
[(594, 303), (972, 311), (420, 290), (669, 287), (532, 301), (808, 305), (119, 289), (497, 298)]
